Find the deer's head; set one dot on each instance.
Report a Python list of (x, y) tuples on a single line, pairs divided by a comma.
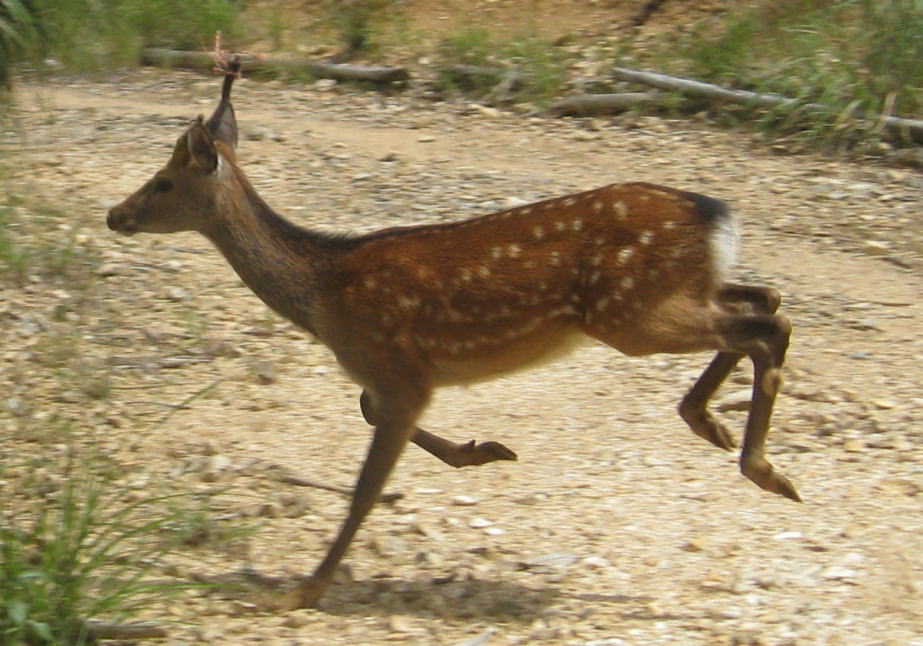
[(180, 196)]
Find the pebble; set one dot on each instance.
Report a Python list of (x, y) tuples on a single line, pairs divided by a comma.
[(324, 85), (876, 247), (176, 294), (110, 269), (855, 445), (596, 562), (737, 400), (464, 501), (266, 372), (296, 619), (838, 572), (402, 624)]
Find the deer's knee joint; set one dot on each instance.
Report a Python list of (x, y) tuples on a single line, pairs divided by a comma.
[(773, 299)]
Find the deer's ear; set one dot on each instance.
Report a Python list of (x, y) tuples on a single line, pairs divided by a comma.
[(180, 156), (222, 125), (201, 148)]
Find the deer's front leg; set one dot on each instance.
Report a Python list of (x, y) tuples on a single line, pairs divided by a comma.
[(456, 455), (397, 413)]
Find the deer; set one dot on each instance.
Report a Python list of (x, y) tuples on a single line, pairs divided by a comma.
[(639, 267)]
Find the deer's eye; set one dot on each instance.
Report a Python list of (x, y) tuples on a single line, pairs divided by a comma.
[(163, 185)]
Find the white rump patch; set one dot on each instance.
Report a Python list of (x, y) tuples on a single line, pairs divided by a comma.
[(723, 247)]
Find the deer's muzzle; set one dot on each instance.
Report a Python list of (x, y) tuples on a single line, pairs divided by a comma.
[(121, 222)]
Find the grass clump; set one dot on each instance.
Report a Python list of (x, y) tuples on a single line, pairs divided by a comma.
[(359, 23), (74, 552), (524, 68), (847, 62), (33, 246)]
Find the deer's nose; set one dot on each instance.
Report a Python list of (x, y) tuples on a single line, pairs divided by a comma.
[(120, 221), (111, 219)]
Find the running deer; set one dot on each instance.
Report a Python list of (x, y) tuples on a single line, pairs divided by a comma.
[(640, 267)]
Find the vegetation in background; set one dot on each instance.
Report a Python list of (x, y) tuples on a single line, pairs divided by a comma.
[(861, 58), (525, 67), (358, 22), (17, 31), (86, 34)]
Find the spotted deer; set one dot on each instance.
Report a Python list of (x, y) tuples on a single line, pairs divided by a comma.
[(640, 267)]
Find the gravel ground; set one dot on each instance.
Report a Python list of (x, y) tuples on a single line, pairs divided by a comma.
[(617, 526)]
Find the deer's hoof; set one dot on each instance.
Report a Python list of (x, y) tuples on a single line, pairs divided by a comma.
[(474, 453), (764, 476)]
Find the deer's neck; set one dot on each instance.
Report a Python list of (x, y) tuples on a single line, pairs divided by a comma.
[(276, 259)]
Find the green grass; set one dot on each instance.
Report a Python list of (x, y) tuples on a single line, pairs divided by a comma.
[(89, 34), (860, 58), (537, 64), (14, 258), (78, 552), (32, 245)]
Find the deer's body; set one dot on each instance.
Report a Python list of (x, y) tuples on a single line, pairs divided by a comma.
[(639, 267)]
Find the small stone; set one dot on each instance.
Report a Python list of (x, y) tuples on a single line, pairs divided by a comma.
[(738, 400), (401, 624), (692, 546), (854, 446), (176, 294), (269, 510), (876, 247), (387, 546), (109, 269), (265, 372), (838, 572), (209, 634), (548, 561), (487, 110), (596, 562), (464, 501), (296, 619), (479, 523), (214, 467)]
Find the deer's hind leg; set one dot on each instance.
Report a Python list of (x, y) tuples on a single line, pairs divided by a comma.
[(764, 338), (684, 325), (734, 299), (456, 455)]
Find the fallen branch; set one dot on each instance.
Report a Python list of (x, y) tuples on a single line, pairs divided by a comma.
[(908, 128), (159, 57), (588, 105)]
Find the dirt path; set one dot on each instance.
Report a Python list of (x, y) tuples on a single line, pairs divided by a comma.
[(617, 526)]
